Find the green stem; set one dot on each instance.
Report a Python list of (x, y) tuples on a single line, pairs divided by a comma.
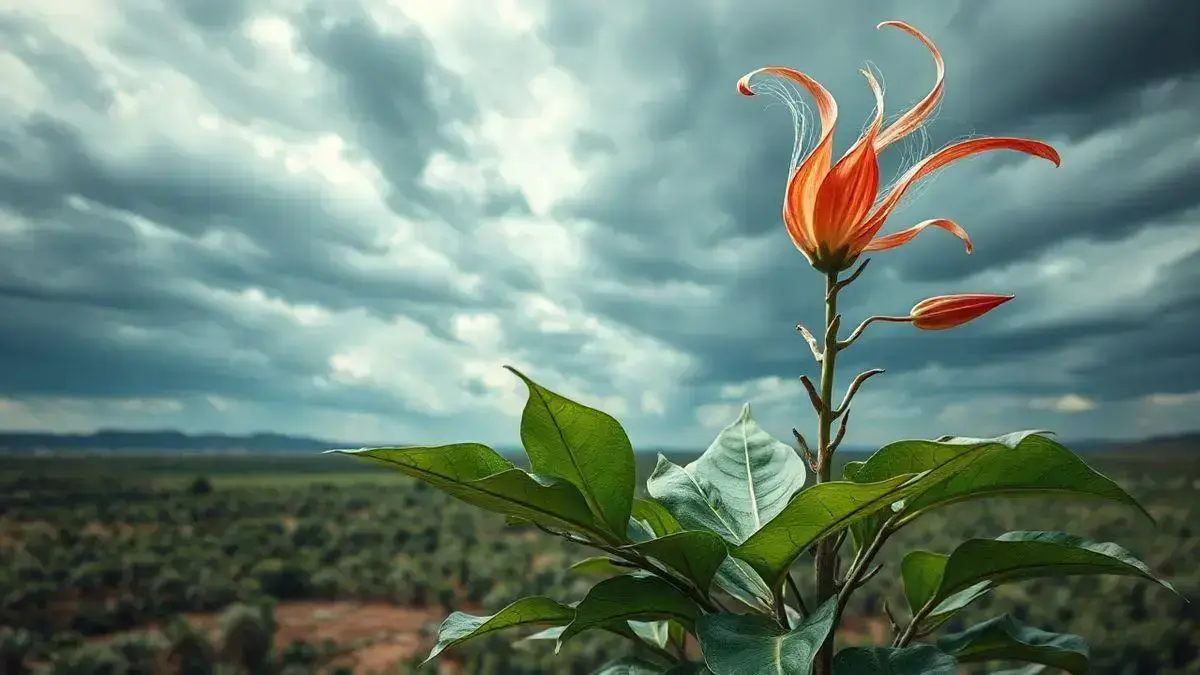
[(681, 584), (795, 589), (825, 553), (910, 631), (862, 562)]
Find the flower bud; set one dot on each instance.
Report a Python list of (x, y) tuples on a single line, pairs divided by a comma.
[(951, 311)]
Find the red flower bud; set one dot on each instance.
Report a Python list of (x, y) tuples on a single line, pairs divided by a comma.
[(951, 311)]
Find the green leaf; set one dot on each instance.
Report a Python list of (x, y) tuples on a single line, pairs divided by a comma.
[(656, 516), (816, 512), (460, 627), (696, 554), (478, 475), (1006, 639), (978, 565), (630, 666), (599, 566), (744, 479), (653, 632), (631, 596), (583, 446), (921, 572), (695, 505), (1020, 464), (688, 668), (913, 660), (740, 581), (749, 644)]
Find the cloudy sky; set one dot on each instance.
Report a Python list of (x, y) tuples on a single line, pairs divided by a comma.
[(341, 217)]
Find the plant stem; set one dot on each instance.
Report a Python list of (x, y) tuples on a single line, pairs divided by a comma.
[(862, 562), (825, 553), (910, 631), (681, 584), (795, 589)]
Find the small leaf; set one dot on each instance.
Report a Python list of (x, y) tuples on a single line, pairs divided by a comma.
[(599, 566), (478, 475), (921, 572), (631, 596), (978, 565), (1006, 639), (913, 660), (656, 516), (1020, 464), (749, 644), (585, 447), (630, 666), (696, 554), (653, 632), (460, 627), (817, 512), (740, 581)]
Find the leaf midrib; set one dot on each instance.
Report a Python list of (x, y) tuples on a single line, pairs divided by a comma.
[(586, 488)]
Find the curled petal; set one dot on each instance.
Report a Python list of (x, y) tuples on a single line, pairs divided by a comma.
[(904, 236), (914, 118), (937, 160), (850, 187), (806, 179), (951, 311)]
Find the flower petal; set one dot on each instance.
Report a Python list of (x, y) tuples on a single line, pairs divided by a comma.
[(937, 160), (914, 118), (951, 311), (801, 194), (850, 187), (904, 236)]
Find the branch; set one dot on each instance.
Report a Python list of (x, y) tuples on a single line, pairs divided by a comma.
[(812, 342), (850, 279), (857, 575), (841, 432), (842, 344), (854, 385), (683, 585), (813, 396), (799, 598), (808, 454), (887, 610)]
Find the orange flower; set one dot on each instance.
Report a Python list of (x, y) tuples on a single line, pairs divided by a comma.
[(951, 311), (833, 213)]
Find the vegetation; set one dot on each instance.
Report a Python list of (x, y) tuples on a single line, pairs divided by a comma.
[(98, 553)]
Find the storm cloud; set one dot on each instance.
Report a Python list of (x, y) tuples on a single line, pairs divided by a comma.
[(341, 218)]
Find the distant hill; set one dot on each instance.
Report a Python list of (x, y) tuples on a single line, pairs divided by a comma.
[(116, 440)]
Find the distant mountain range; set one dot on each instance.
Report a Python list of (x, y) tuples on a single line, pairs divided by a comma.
[(115, 440)]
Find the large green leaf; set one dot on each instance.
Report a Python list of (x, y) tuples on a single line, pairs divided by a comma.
[(478, 475), (1023, 463), (696, 505), (1003, 638), (460, 627), (978, 565), (752, 644), (914, 660), (632, 596), (696, 554), (743, 480), (585, 447), (740, 581), (817, 512)]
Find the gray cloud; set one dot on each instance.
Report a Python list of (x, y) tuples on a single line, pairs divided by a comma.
[(344, 214)]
